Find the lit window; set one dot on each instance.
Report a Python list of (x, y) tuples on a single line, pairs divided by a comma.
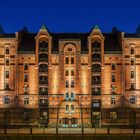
[(72, 83), (113, 100), (113, 116), (132, 100), (25, 77), (7, 51), (6, 99), (67, 96), (72, 72), (25, 66), (113, 78), (72, 60), (113, 88), (26, 100), (72, 96), (67, 72), (113, 66), (67, 84), (72, 107), (67, 107), (132, 51), (67, 60), (132, 74), (7, 74), (7, 61)]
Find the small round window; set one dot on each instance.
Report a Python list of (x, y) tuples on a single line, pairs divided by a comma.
[(69, 49)]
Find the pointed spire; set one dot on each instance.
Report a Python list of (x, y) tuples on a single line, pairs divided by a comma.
[(43, 27), (96, 27)]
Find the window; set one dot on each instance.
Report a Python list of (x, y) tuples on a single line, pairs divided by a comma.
[(67, 107), (132, 99), (67, 84), (113, 100), (72, 83), (96, 68), (96, 57), (72, 60), (113, 88), (72, 72), (7, 86), (113, 66), (7, 61), (132, 74), (96, 104), (67, 60), (113, 78), (25, 77), (26, 100), (96, 91), (96, 46), (96, 79), (7, 74), (6, 99), (67, 72), (132, 86), (72, 107), (132, 61), (7, 51), (113, 116), (67, 96), (25, 66), (25, 88), (72, 96), (43, 79), (132, 51)]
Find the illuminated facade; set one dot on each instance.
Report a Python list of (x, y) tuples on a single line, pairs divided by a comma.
[(76, 79)]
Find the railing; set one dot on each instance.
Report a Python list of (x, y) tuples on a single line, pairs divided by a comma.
[(69, 130)]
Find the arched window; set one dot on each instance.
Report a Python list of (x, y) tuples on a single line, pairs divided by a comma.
[(43, 68), (43, 79), (96, 79), (96, 57), (43, 46), (43, 102), (113, 66), (67, 107), (72, 107), (132, 51), (96, 46), (43, 90), (96, 91), (96, 68), (43, 57)]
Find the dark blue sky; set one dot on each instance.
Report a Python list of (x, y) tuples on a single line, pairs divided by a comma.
[(69, 15)]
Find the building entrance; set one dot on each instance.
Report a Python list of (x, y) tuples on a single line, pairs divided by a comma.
[(66, 122)]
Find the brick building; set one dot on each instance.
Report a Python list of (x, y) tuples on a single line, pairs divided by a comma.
[(75, 79)]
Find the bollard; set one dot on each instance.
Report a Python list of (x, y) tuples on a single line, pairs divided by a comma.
[(108, 131), (5, 131), (31, 130)]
